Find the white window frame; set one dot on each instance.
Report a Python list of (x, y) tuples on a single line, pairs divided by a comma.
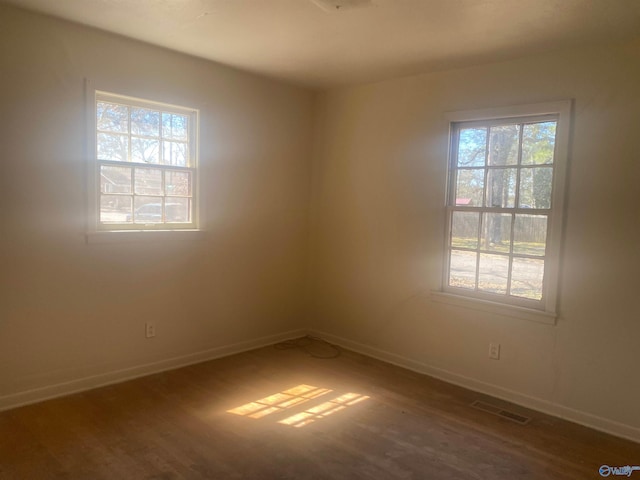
[(544, 310), (99, 232)]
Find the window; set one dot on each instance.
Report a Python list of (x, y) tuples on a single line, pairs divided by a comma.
[(145, 164), (504, 205)]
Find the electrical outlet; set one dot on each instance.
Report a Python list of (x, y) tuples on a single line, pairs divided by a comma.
[(150, 329), (494, 351)]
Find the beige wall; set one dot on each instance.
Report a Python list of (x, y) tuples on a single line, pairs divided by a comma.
[(378, 219), (70, 310)]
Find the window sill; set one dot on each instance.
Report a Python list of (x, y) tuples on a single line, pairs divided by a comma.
[(135, 236), (494, 307)]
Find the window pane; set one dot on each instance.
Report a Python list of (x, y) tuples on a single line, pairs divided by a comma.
[(148, 181), (496, 232), (115, 179), (175, 153), (145, 122), (493, 273), (535, 187), (538, 143), (174, 126), (526, 278), (472, 147), (178, 210), (145, 150), (147, 210), (464, 229), (503, 145), (530, 234), (470, 187), (178, 183), (115, 209), (112, 118), (501, 187), (113, 147), (462, 269)]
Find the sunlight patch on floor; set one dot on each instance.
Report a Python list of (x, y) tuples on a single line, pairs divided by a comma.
[(279, 401), (294, 397)]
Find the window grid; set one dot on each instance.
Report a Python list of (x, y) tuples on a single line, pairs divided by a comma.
[(482, 244), (158, 192)]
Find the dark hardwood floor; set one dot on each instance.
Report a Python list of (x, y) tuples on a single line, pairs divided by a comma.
[(282, 414)]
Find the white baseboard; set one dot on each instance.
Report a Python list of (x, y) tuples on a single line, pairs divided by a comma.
[(583, 418), (107, 378)]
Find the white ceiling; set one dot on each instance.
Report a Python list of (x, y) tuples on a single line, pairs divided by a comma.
[(312, 43)]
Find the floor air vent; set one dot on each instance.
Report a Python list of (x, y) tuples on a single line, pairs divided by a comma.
[(501, 412)]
